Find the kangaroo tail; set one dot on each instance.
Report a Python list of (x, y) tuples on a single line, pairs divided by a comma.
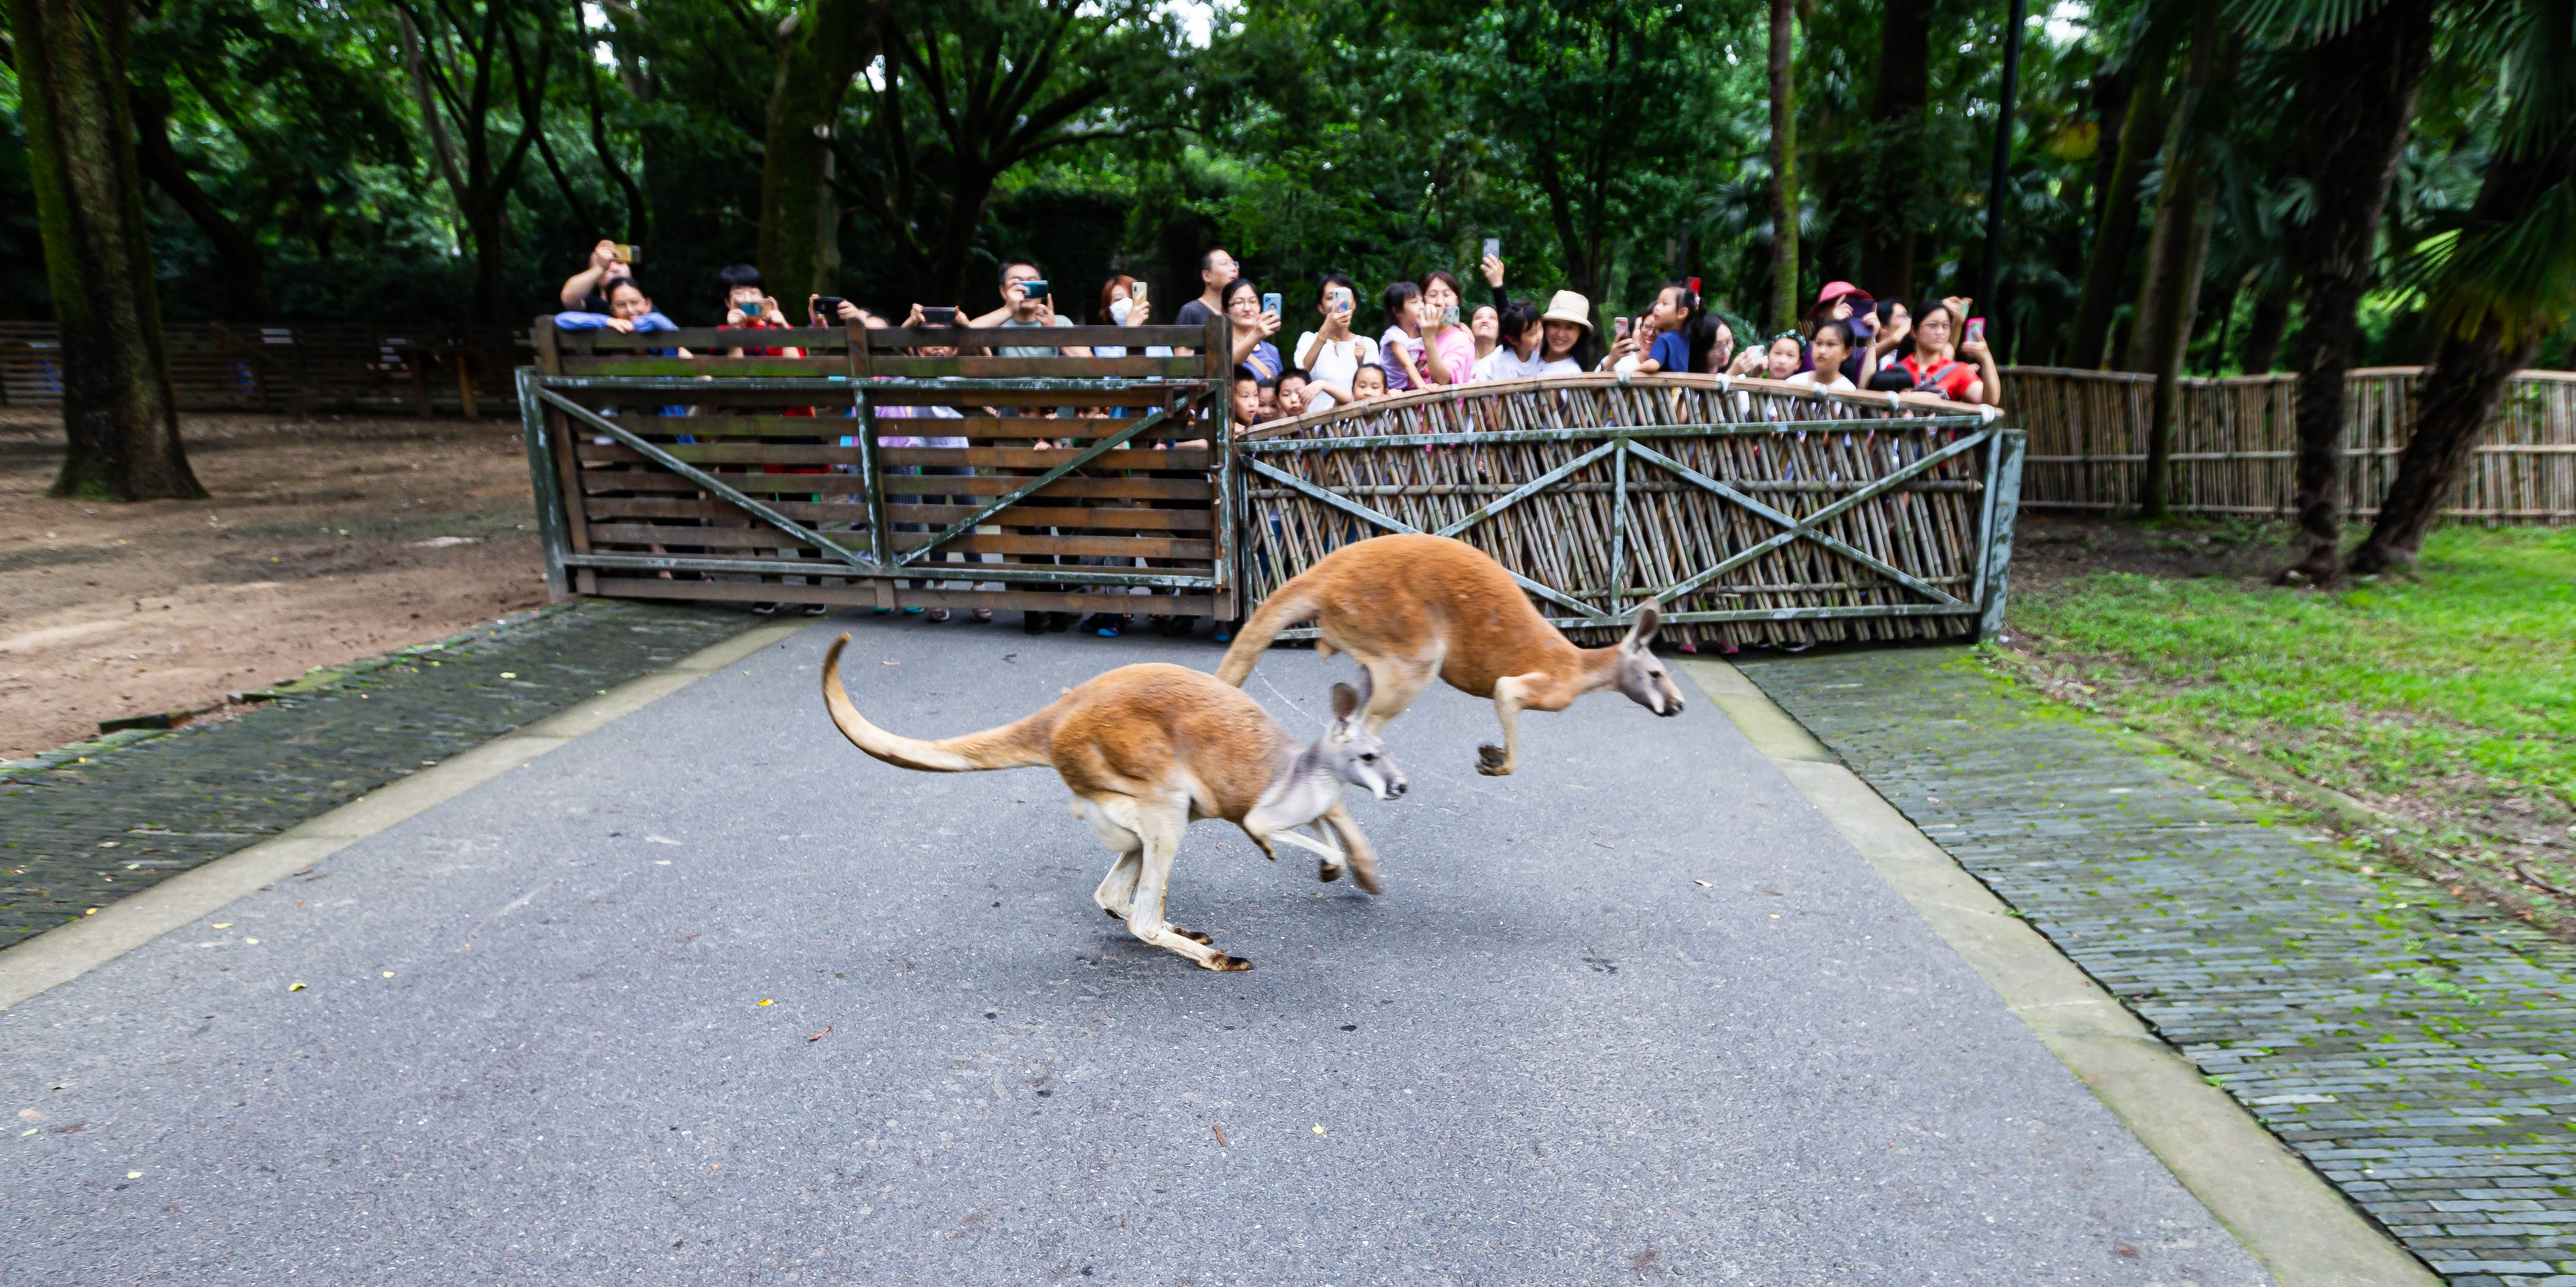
[(1020, 744), (1292, 603)]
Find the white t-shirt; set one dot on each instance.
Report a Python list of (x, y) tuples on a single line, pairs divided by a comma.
[(1331, 362), (1505, 364), (1807, 380), (1561, 366)]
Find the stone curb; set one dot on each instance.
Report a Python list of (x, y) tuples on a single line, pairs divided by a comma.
[(2287, 1216), (60, 955)]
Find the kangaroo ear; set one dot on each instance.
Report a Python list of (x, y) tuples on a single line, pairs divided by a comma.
[(1368, 685), (1650, 619), (1346, 700)]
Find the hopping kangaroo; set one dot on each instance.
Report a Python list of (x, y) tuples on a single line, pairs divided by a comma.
[(1410, 608), (1148, 750)]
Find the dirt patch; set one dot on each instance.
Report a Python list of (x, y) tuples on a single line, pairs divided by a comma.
[(2049, 549), (327, 539)]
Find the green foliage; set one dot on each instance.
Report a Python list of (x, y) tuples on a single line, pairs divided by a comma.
[(2458, 684)]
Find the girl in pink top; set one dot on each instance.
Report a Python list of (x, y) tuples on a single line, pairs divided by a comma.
[(1450, 356)]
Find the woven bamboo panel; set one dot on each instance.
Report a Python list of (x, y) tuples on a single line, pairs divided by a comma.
[(298, 366), (2236, 442), (1576, 537)]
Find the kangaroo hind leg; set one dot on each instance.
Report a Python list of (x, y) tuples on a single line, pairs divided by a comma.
[(1160, 826), (1511, 693), (1394, 684)]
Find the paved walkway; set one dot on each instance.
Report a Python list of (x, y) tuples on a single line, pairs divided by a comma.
[(2414, 1049), (707, 994), (81, 830)]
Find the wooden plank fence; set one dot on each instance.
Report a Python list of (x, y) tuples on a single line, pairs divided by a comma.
[(2235, 443), (881, 467), (300, 367)]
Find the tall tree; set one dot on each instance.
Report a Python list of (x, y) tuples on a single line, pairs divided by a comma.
[(467, 61), (2180, 252), (2354, 101), (1784, 167), (1896, 111), (2505, 280), (819, 50), (2115, 233), (118, 416)]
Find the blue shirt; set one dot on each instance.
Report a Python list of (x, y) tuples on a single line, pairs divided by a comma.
[(1672, 350)]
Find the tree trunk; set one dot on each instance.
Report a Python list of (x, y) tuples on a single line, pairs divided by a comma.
[(2458, 397), (819, 50), (2177, 260), (118, 417), (2468, 374), (1784, 171), (2263, 332), (1904, 88), (239, 259), (2116, 234), (2355, 98)]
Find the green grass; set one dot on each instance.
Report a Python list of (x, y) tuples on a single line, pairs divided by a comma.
[(2454, 689)]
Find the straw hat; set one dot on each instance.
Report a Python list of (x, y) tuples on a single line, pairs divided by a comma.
[(1569, 307)]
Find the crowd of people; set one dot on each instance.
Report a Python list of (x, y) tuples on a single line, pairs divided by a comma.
[(1849, 342)]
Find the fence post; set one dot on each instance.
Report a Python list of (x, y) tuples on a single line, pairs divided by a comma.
[(544, 485), (2003, 505)]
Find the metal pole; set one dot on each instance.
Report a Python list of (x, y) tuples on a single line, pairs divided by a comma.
[(1995, 190)]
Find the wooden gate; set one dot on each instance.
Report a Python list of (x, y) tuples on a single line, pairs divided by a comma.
[(1754, 512), (883, 467)]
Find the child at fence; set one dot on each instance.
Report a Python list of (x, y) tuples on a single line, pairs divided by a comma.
[(1400, 350), (1676, 306), (1521, 341), (1292, 393), (1332, 355), (1246, 408), (1830, 349), (1370, 383), (1449, 349), (1567, 324)]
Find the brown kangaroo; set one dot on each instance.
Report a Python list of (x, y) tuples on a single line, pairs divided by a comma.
[(1412, 607), (1148, 750)]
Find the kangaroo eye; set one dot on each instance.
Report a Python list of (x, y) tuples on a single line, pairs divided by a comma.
[(1369, 757)]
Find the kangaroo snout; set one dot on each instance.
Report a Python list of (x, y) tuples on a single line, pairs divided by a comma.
[(1672, 707), (1394, 790)]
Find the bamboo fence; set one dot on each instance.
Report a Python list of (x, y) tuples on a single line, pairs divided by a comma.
[(1756, 513), (2235, 443)]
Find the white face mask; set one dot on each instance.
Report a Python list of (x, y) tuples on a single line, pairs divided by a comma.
[(1118, 310)]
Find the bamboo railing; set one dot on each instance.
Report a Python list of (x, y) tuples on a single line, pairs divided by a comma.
[(300, 367), (2236, 439)]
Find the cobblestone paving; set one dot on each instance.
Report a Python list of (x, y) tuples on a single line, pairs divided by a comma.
[(2414, 1049), (113, 819)]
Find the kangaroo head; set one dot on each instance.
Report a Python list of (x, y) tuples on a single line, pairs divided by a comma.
[(1640, 672), (1352, 752)]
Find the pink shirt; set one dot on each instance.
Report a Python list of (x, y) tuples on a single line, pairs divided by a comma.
[(1458, 353)]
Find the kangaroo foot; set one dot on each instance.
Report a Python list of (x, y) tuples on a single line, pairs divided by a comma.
[(1228, 964), (1492, 762), (1328, 872), (1366, 879)]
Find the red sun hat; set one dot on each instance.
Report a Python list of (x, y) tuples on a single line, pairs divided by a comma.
[(1838, 290)]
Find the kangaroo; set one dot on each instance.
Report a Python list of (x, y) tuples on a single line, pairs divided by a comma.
[(1148, 750), (1412, 607)]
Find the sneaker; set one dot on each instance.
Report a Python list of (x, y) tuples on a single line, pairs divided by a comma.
[(935, 614), (764, 609), (984, 615), (818, 609), (1224, 632)]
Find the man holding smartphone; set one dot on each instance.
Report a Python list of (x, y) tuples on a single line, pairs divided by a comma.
[(1217, 270)]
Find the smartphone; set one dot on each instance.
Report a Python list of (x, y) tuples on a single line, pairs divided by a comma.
[(1270, 303), (751, 309), (1449, 316), (828, 307), (1341, 299), (1136, 293), (1033, 290), (1493, 247), (626, 254), (939, 317), (1976, 330), (1620, 326)]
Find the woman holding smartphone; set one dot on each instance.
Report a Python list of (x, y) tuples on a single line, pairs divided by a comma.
[(1252, 328), (1449, 349), (1942, 364), (1331, 356)]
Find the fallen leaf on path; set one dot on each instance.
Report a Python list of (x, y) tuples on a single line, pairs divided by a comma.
[(30, 1115), (767, 1002), (134, 1175), (1319, 1128), (889, 663), (1702, 884), (1220, 1135), (294, 987), (827, 1029), (223, 924), (660, 840)]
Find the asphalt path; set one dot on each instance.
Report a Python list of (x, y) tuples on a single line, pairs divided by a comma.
[(708, 995)]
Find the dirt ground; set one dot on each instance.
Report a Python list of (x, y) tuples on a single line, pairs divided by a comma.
[(327, 539)]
